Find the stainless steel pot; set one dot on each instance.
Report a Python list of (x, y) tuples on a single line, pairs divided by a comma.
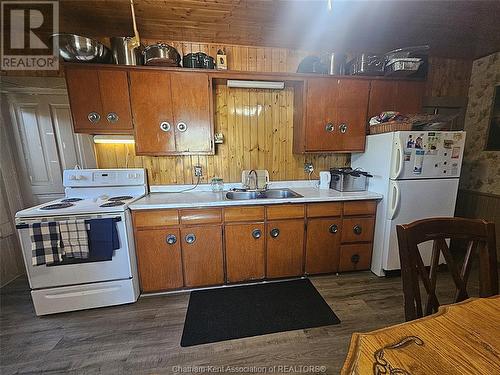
[(161, 54), (125, 52)]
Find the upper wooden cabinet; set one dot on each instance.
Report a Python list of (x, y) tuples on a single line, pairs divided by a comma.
[(334, 115), (402, 96), (172, 113), (99, 100)]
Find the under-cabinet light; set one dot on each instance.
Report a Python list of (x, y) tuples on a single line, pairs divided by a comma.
[(274, 85), (114, 139)]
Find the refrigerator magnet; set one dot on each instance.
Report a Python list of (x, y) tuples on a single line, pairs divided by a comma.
[(448, 143), (455, 152), (419, 161)]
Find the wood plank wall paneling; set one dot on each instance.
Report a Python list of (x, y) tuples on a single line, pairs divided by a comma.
[(257, 127), (473, 204), (448, 77)]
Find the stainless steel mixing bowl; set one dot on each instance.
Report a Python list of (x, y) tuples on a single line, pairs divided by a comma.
[(75, 48)]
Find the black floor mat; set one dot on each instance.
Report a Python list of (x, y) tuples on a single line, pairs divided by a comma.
[(251, 310)]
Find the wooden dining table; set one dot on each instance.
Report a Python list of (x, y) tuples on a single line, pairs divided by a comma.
[(461, 338)]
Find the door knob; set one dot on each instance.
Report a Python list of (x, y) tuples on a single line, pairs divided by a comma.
[(182, 127), (171, 239), (112, 117), (343, 128), (190, 238), (256, 233), (165, 126), (333, 228), (275, 232), (94, 117), (329, 127), (355, 258), (357, 229)]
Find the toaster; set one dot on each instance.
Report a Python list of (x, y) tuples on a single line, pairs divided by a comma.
[(348, 179)]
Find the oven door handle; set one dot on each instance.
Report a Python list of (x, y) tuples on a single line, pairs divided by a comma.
[(26, 226)]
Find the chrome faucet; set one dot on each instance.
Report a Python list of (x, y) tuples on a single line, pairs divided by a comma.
[(256, 180)]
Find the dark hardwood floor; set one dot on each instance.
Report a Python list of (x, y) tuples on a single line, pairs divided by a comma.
[(143, 338)]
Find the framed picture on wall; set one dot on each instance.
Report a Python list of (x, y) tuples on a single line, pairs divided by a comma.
[(493, 136)]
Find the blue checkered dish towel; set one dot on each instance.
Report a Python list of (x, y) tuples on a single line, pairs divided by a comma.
[(74, 239), (45, 243)]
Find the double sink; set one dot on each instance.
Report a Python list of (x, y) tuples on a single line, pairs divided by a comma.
[(264, 194)]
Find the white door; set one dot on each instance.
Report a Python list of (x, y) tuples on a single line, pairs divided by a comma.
[(410, 200), (46, 144), (421, 155)]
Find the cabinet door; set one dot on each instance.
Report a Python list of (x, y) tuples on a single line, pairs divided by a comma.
[(321, 128), (202, 255), (323, 245), (357, 229), (285, 248), (150, 95), (245, 256), (403, 96), (85, 99), (159, 259), (193, 119), (352, 104), (355, 257), (117, 116)]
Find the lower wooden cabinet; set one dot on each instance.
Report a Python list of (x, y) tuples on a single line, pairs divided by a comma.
[(285, 248), (159, 259), (245, 252), (355, 257), (202, 255), (323, 245), (357, 229)]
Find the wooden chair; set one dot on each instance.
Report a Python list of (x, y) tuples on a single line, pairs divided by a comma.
[(480, 238)]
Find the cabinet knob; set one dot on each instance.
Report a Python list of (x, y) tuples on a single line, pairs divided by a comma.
[(256, 233), (343, 128), (333, 228), (275, 232), (94, 117), (329, 127), (355, 258), (357, 229), (190, 238), (112, 117), (182, 127), (171, 239), (165, 126)]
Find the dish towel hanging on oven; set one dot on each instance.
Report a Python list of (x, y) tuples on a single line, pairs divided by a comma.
[(45, 240), (74, 239), (103, 238)]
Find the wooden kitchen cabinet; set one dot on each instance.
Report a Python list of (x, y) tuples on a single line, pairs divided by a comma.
[(357, 229), (355, 257), (202, 255), (393, 95), (285, 248), (99, 100), (245, 252), (334, 118), (323, 245), (172, 113), (159, 259)]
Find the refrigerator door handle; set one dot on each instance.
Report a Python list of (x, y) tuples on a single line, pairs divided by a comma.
[(395, 200), (398, 160)]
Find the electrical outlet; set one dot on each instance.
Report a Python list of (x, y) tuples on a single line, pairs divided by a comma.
[(198, 171), (308, 167)]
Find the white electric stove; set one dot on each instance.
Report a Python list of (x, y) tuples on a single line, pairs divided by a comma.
[(89, 194)]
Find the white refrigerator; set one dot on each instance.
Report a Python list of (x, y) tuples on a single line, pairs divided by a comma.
[(417, 172)]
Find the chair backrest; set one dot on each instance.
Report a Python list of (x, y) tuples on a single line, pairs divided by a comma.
[(480, 238)]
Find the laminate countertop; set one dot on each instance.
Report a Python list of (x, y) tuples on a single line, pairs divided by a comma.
[(168, 196)]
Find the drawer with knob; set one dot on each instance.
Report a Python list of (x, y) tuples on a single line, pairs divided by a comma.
[(355, 257), (357, 229)]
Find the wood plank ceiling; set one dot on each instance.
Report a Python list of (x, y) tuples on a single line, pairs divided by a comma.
[(457, 29)]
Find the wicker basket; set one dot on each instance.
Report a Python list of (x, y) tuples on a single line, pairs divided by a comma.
[(390, 126)]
